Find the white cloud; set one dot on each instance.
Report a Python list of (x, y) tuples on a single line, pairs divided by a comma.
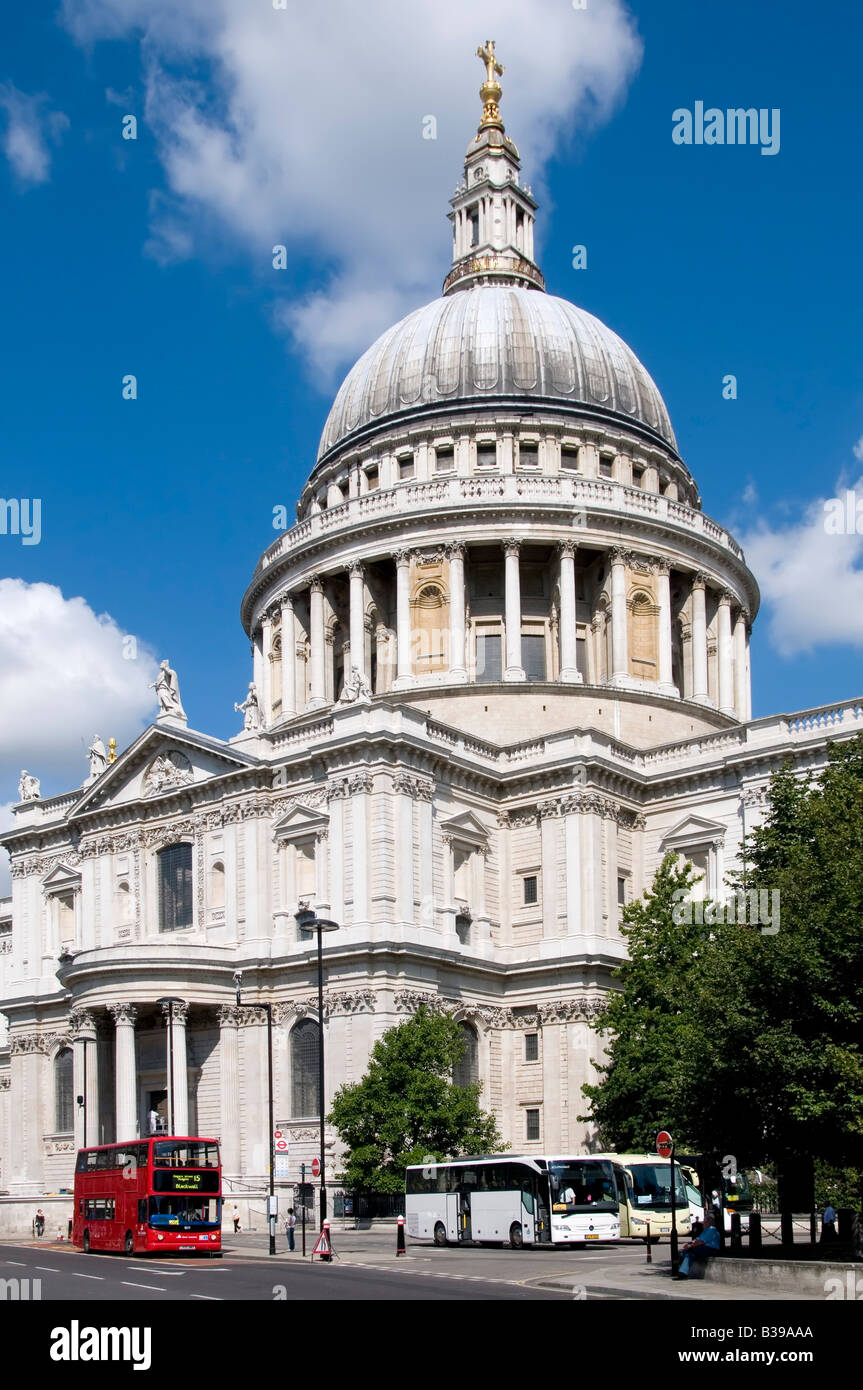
[(63, 677), (307, 130), (31, 129), (811, 580), (858, 449)]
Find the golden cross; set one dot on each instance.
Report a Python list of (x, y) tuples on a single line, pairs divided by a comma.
[(492, 66)]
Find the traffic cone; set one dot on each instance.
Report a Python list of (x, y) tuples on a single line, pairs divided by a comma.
[(400, 1237)]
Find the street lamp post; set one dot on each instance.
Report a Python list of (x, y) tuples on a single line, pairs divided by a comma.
[(167, 1005), (308, 921), (268, 1010)]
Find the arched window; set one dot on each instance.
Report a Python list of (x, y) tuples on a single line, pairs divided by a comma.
[(216, 888), (305, 1070), (64, 1089), (466, 1071), (175, 887)]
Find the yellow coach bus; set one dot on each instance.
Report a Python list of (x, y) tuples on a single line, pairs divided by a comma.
[(648, 1196)]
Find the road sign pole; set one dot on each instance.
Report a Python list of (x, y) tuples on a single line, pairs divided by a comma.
[(303, 1201), (665, 1149)]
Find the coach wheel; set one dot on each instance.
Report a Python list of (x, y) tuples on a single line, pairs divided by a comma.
[(516, 1236), (85, 1243), (129, 1243), (440, 1234)]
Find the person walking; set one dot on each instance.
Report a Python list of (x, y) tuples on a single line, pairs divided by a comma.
[(290, 1225), (39, 1222), (236, 1219), (828, 1224)]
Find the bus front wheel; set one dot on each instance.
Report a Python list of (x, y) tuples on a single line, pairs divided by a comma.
[(516, 1236), (440, 1234), (129, 1243), (85, 1243)]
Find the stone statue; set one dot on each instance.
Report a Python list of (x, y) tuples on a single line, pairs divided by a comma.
[(356, 687), (167, 688), (98, 757), (493, 68), (251, 710), (28, 787)]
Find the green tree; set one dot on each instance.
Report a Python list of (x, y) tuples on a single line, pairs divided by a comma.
[(407, 1107), (742, 1038)]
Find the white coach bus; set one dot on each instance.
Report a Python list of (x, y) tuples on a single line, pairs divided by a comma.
[(507, 1199)]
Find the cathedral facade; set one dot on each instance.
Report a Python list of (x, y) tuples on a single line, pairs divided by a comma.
[(500, 667)]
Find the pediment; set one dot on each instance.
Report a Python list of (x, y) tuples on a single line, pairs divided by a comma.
[(161, 762), (693, 830), (299, 821), (62, 878), (467, 827)]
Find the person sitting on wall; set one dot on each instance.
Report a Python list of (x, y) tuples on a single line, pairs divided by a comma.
[(699, 1251)]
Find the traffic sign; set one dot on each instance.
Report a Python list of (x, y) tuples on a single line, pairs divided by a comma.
[(664, 1144), (316, 1167), (323, 1246)]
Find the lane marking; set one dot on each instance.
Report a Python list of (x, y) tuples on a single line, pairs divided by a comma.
[(210, 1298), (166, 1273), (46, 1269), (19, 1263), (154, 1288), (76, 1275)]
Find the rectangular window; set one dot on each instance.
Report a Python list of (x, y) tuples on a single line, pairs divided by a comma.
[(638, 477), (531, 1047), (486, 456), (581, 657), (473, 221), (621, 890), (488, 656), (372, 479), (444, 460), (406, 469), (531, 1124), (531, 890), (528, 456), (606, 466), (175, 887), (569, 459), (533, 655)]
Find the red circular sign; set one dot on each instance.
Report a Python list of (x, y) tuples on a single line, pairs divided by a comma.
[(316, 1167), (664, 1143), (281, 1145)]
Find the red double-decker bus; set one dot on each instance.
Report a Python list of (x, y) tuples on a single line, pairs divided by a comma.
[(151, 1195)]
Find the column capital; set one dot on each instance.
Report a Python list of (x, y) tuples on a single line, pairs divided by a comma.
[(286, 600), (455, 550), (663, 566), (228, 1016), (123, 1013), (82, 1021), (356, 567), (566, 550), (744, 616), (403, 557), (699, 580), (179, 1013), (511, 547), (618, 554), (316, 584), (726, 598)]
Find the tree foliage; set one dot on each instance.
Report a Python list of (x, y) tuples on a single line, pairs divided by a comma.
[(407, 1108), (740, 1040)]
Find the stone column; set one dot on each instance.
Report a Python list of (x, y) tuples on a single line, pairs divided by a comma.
[(514, 670), (125, 1071), (289, 658), (229, 1087), (85, 1045), (317, 691), (357, 618), (572, 850), (619, 635), (360, 786), (724, 655), (455, 555), (266, 688), (699, 641), (176, 1032), (403, 786), (569, 671), (258, 660), (739, 641), (425, 815), (548, 832), (404, 676), (748, 683), (663, 593)]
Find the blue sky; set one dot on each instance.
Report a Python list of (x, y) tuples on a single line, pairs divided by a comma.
[(153, 257)]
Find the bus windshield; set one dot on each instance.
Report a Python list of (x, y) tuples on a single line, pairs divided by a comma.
[(651, 1186), (184, 1213), (184, 1153), (737, 1189), (577, 1186)]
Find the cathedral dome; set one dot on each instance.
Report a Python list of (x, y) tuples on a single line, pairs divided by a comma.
[(497, 343)]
